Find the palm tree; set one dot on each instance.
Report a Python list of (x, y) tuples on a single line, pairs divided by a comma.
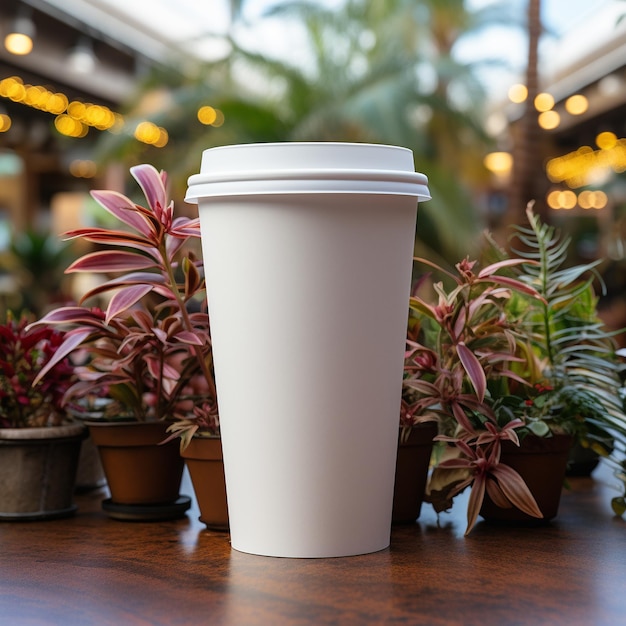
[(380, 71), (526, 135)]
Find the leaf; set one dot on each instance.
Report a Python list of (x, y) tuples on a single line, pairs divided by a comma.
[(489, 270), (72, 314), (474, 370), (110, 237), (193, 280), (460, 416), (538, 427), (516, 490), (110, 261), (420, 306), (124, 299), (72, 340), (475, 501), (496, 495), (517, 285), (152, 184), (123, 209), (189, 338)]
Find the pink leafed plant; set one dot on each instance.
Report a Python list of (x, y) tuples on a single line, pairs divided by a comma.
[(23, 352), (456, 349), (149, 349)]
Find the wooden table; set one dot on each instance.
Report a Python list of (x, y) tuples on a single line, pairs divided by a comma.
[(92, 570)]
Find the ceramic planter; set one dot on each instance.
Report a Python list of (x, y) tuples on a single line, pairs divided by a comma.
[(541, 462), (143, 476), (204, 460), (38, 471), (308, 252), (412, 472)]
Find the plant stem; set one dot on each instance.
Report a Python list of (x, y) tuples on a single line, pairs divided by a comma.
[(169, 270), (541, 233)]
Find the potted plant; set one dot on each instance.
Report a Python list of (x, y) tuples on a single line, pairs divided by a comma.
[(39, 445), (148, 352), (415, 445), (481, 366), (573, 360), (465, 341), (201, 447)]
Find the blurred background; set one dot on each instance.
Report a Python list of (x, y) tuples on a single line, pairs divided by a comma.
[(501, 103)]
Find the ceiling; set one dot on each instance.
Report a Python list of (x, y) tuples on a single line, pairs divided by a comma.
[(156, 28)]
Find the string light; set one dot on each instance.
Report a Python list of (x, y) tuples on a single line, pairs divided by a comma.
[(549, 120), (586, 200), (543, 102), (518, 93), (576, 168), (500, 163), (209, 116), (606, 140), (5, 122), (72, 118), (576, 104)]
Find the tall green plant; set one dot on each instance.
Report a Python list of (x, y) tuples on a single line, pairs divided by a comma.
[(576, 353)]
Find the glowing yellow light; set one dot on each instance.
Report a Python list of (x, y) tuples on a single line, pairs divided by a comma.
[(32, 95), (592, 199), (600, 200), (499, 163), (548, 120), (66, 125), (18, 43), (207, 115), (57, 103), (16, 91), (219, 120), (606, 140), (95, 115), (543, 102), (43, 99), (561, 199), (39, 97), (576, 105), (147, 132), (585, 199), (553, 200), (76, 110), (5, 123), (518, 93), (568, 199), (163, 138)]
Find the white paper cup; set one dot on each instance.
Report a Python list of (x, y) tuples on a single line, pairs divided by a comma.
[(308, 255)]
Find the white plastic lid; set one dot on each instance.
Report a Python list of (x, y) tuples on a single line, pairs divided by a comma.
[(312, 167)]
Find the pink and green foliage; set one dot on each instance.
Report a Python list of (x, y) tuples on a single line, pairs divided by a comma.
[(459, 348), (150, 349), (23, 352)]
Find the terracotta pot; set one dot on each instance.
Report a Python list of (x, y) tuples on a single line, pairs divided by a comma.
[(38, 471), (541, 462), (138, 470), (204, 460), (412, 472)]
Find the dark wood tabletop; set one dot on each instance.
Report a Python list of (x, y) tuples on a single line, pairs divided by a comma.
[(92, 570)]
